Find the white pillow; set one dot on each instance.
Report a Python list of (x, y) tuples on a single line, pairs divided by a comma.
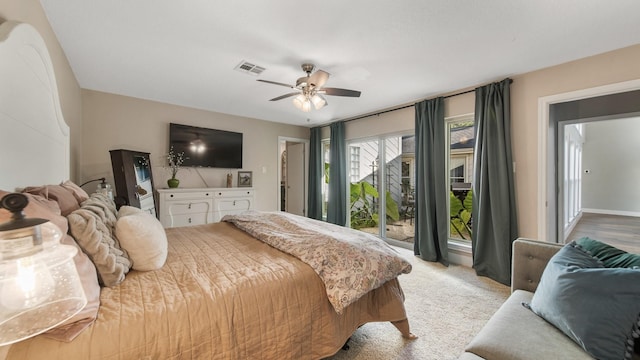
[(128, 210), (144, 239)]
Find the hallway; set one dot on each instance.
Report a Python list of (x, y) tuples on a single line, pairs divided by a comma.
[(622, 232)]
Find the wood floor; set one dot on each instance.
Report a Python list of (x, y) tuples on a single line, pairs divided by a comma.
[(622, 232)]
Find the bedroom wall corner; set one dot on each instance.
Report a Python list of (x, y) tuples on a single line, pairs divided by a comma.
[(31, 12)]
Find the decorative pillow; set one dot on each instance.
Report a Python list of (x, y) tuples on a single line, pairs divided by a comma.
[(143, 237), (40, 207), (610, 256), (595, 306), (92, 227), (76, 190), (126, 210), (65, 198)]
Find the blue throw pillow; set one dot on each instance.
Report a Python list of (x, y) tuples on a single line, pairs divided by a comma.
[(597, 307)]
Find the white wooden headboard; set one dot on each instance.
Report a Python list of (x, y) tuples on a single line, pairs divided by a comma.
[(34, 138)]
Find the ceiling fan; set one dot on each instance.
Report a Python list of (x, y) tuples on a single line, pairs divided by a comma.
[(309, 89)]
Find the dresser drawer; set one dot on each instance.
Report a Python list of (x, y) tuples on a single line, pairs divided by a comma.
[(232, 193), (185, 219), (231, 205), (187, 207), (191, 195)]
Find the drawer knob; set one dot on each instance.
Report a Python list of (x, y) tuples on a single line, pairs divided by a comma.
[(171, 195), (189, 205), (189, 220)]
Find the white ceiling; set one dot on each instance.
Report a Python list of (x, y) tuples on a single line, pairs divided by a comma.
[(395, 52)]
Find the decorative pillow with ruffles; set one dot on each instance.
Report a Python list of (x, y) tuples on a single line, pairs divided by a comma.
[(92, 226)]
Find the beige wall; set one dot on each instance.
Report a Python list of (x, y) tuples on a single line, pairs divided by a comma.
[(608, 68), (120, 122), (31, 12)]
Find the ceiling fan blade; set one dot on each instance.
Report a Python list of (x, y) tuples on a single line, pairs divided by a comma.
[(318, 78), (339, 92), (284, 96), (276, 83)]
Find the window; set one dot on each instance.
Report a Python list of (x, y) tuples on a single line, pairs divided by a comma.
[(572, 174), (355, 163), (460, 143)]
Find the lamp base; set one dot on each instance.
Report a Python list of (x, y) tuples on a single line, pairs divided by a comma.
[(37, 320)]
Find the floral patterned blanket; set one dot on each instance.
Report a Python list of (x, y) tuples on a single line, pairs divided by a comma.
[(349, 262)]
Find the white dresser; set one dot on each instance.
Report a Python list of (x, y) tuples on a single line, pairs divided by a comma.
[(186, 207)]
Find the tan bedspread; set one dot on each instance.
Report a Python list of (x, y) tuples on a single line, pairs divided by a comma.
[(221, 295)]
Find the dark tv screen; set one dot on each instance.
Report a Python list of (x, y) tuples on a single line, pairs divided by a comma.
[(204, 147)]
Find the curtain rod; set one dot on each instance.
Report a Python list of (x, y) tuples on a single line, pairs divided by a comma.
[(411, 105), (404, 107)]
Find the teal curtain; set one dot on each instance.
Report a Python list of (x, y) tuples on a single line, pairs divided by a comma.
[(432, 217), (316, 174), (337, 206), (494, 208)]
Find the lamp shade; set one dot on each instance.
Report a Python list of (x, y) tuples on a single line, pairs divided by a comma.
[(39, 284), (318, 101), (299, 100)]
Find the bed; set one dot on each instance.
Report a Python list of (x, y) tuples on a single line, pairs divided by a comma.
[(220, 294)]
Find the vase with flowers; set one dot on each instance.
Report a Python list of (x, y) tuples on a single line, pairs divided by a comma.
[(175, 160)]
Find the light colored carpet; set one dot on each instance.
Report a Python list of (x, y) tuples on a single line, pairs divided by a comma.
[(446, 307)]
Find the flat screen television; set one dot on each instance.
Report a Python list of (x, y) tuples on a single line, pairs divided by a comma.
[(204, 147)]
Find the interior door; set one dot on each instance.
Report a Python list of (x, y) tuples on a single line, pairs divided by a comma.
[(295, 183)]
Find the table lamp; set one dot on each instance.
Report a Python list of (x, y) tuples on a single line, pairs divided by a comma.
[(39, 284)]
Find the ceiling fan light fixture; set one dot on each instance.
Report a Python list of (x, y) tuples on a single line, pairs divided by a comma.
[(306, 106), (299, 100), (318, 101)]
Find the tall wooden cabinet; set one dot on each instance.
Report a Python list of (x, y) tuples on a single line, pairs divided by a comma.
[(133, 179)]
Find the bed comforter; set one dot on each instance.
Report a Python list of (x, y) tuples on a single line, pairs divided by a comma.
[(221, 295)]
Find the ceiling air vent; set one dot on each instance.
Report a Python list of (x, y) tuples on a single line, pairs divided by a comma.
[(249, 68)]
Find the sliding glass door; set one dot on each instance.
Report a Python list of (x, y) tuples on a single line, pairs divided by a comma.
[(381, 187), (364, 180)]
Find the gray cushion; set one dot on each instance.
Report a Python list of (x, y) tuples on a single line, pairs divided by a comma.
[(595, 306), (515, 332), (92, 227)]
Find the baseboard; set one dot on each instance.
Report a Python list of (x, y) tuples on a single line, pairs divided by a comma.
[(458, 254), (460, 258), (612, 212), (572, 225)]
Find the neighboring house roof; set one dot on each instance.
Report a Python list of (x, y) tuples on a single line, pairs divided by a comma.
[(463, 137)]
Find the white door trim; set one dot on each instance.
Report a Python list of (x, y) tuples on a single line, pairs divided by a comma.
[(544, 190)]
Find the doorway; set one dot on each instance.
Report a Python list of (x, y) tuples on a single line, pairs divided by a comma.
[(603, 103), (292, 175), (599, 194)]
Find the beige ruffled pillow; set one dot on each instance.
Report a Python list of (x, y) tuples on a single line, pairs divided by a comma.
[(92, 227)]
